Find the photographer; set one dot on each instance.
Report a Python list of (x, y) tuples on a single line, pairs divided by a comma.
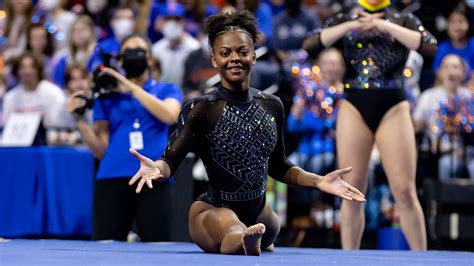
[(135, 114), (78, 89)]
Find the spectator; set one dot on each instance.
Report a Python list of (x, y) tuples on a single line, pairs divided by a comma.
[(198, 70), (123, 25), (80, 49), (314, 125), (61, 19), (451, 76), (175, 47), (78, 89), (34, 93), (40, 44), (291, 26), (460, 40), (19, 14), (195, 13), (99, 12)]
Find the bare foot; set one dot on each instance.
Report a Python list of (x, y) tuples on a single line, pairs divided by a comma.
[(251, 239)]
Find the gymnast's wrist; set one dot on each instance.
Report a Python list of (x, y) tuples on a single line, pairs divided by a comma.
[(350, 25), (382, 25), (164, 169), (316, 179)]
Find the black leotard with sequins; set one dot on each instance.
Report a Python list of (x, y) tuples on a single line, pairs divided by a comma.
[(375, 60), (239, 137)]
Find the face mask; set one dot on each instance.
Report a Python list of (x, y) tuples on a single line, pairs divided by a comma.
[(96, 6), (134, 62), (470, 3), (172, 30), (204, 42), (49, 5), (122, 28)]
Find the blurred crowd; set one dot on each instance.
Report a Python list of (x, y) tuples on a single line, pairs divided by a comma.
[(49, 50)]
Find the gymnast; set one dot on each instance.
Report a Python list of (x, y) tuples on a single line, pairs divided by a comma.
[(375, 42), (238, 133)]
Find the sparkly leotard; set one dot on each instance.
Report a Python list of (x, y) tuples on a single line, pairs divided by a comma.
[(375, 61), (239, 137)]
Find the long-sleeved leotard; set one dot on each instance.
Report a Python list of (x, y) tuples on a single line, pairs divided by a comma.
[(239, 137), (375, 60)]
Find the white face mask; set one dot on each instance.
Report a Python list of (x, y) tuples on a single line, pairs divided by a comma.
[(122, 28), (49, 5), (470, 3), (96, 6), (204, 42), (172, 30)]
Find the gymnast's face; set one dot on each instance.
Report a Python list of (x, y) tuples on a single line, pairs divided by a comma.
[(233, 57)]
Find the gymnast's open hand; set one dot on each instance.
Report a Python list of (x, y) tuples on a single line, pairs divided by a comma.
[(148, 171), (333, 183)]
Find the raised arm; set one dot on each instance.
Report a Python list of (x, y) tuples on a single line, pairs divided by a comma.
[(412, 34), (166, 110), (181, 142), (335, 29), (320, 38)]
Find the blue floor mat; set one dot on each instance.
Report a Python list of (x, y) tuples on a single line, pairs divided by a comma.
[(64, 252)]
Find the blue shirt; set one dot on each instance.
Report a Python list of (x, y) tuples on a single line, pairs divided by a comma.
[(314, 133), (59, 72), (446, 47), (264, 21), (110, 45), (289, 32), (121, 110)]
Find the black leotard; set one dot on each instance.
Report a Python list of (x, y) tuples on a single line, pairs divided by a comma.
[(375, 61), (239, 137)]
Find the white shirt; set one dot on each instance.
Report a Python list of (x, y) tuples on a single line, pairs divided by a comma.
[(428, 100), (66, 119), (47, 98), (172, 60), (425, 109)]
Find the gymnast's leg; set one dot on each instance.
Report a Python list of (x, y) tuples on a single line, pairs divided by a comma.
[(396, 141), (354, 142), (219, 230), (272, 227)]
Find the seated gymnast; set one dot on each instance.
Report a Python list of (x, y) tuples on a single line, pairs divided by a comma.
[(238, 133)]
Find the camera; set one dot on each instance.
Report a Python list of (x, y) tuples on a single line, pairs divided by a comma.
[(103, 82), (87, 106)]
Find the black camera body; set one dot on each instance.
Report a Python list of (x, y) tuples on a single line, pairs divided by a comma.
[(87, 106), (103, 82), (134, 64)]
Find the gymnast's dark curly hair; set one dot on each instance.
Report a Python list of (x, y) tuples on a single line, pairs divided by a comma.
[(238, 21)]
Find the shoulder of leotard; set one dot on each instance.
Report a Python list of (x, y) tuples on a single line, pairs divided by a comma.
[(403, 17), (263, 95), (205, 99), (272, 99)]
